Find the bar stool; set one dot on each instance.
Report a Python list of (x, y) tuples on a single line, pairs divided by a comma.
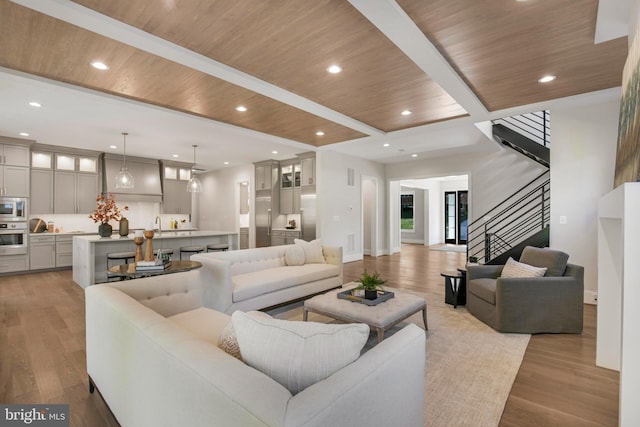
[(191, 250), (214, 247), (121, 256)]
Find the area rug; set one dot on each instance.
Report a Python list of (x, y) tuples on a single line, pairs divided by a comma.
[(469, 367), (449, 248)]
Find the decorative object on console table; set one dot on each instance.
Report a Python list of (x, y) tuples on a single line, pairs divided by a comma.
[(106, 210), (123, 229), (138, 240), (148, 254), (371, 283)]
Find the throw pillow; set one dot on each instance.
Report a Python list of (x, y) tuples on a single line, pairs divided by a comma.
[(514, 268), (294, 255), (312, 251), (228, 341), (297, 354)]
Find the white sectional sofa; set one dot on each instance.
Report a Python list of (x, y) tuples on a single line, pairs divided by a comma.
[(253, 279), (152, 355)]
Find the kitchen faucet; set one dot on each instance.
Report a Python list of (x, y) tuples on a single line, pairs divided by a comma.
[(159, 221)]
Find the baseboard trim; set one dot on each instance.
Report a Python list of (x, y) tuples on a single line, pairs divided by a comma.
[(414, 241), (591, 297), (352, 257)]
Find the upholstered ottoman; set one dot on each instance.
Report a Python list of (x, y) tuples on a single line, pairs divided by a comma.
[(379, 317)]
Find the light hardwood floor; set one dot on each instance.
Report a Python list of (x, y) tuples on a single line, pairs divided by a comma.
[(42, 356)]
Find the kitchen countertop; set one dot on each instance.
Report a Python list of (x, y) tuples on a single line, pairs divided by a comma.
[(285, 229), (174, 234), (93, 233)]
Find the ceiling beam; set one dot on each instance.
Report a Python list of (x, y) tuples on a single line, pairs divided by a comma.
[(88, 19), (394, 23)]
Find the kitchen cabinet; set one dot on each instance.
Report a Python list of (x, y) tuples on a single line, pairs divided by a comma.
[(264, 177), (41, 192), (14, 155), (284, 237), (176, 199), (244, 237), (308, 166), (42, 252), (11, 263), (75, 192), (64, 251), (14, 181), (290, 187)]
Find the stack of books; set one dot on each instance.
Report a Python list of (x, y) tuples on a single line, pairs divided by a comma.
[(157, 265)]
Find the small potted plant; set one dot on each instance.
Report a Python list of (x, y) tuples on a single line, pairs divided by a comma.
[(371, 283)]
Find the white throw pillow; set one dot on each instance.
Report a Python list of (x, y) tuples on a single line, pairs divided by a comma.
[(294, 255), (514, 268), (312, 251), (297, 354), (228, 341)]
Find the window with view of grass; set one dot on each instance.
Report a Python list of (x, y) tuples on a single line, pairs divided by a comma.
[(406, 211)]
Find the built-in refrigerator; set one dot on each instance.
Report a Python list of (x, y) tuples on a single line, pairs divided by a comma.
[(263, 220), (308, 213)]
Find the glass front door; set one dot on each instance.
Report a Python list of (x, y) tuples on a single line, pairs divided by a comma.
[(450, 217), (455, 217)]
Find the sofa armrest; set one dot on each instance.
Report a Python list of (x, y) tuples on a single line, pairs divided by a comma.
[(483, 271), (333, 255), (215, 275), (394, 369)]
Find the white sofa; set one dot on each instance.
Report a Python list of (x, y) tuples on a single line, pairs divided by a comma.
[(253, 279), (152, 355)]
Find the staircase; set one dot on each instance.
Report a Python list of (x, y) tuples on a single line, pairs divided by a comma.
[(522, 219)]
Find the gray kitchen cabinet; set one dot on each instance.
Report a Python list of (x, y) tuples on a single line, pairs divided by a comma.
[(64, 251), (75, 192), (42, 252), (14, 181), (278, 237), (11, 263), (41, 191), (175, 198), (14, 155), (244, 237), (264, 177), (308, 166), (290, 187)]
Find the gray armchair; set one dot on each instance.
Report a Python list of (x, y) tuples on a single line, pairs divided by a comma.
[(549, 304)]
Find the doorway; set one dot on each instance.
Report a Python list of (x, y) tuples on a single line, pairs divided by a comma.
[(456, 216)]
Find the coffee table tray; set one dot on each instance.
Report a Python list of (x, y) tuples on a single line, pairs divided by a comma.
[(382, 297)]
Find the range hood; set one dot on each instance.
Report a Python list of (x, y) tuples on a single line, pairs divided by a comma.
[(146, 175)]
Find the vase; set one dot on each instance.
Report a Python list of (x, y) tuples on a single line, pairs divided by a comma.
[(370, 294), (105, 230), (124, 227)]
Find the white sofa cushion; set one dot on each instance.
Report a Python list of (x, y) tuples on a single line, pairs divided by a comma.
[(297, 354), (294, 255), (204, 323), (312, 251), (262, 282), (513, 268), (228, 340)]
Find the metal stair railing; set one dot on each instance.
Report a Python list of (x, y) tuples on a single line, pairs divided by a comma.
[(519, 216), (535, 126)]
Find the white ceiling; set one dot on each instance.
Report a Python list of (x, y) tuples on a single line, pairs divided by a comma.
[(81, 118)]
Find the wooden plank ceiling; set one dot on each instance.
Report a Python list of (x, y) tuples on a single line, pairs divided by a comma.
[(498, 47)]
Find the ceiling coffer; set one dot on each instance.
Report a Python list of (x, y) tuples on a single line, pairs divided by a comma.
[(146, 173)]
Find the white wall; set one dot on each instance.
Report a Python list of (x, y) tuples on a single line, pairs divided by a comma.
[(218, 204), (583, 153), (340, 206)]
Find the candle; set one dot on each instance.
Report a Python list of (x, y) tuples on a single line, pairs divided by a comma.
[(139, 233), (149, 226)]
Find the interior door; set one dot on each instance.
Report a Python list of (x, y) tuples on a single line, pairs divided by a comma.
[(463, 216), (450, 226)]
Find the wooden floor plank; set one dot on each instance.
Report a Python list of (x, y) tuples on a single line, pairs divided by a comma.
[(42, 354)]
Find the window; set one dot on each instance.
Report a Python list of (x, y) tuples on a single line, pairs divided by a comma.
[(406, 211)]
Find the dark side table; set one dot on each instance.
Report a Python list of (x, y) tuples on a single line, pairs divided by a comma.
[(455, 288)]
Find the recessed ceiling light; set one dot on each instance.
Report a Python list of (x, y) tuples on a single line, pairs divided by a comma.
[(35, 104), (99, 65), (241, 108), (226, 163), (334, 69), (113, 147), (175, 156), (24, 134), (414, 155), (274, 152), (319, 133), (546, 79), (386, 144), (406, 112)]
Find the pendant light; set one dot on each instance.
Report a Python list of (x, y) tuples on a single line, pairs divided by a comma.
[(124, 179), (194, 185)]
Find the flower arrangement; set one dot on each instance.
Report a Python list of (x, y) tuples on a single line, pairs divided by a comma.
[(106, 210)]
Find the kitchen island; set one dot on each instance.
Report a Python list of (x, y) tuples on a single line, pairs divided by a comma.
[(90, 252)]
